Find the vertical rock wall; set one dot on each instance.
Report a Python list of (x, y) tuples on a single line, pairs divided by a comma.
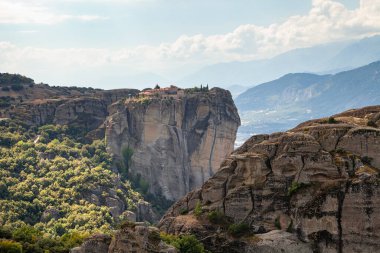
[(178, 143)]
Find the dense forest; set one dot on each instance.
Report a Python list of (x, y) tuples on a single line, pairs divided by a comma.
[(48, 178)]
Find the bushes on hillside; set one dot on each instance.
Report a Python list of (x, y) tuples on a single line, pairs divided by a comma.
[(47, 187), (238, 229), (7, 79), (8, 246), (216, 217), (17, 87), (184, 243)]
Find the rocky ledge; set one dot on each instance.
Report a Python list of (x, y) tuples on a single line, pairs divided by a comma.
[(315, 188)]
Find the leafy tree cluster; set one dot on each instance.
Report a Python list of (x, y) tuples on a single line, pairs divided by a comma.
[(55, 186), (184, 243), (9, 79), (27, 239), (6, 101), (197, 89)]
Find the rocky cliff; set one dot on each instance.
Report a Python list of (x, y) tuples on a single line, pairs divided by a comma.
[(177, 142), (40, 104), (315, 188)]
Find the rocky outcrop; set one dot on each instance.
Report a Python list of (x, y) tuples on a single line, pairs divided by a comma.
[(98, 243), (319, 181), (137, 238), (40, 104), (177, 143)]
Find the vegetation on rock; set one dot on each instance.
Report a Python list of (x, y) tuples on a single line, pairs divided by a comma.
[(184, 243), (238, 229), (198, 209), (216, 217)]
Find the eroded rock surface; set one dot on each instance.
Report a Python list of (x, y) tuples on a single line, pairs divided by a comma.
[(177, 143), (319, 181), (137, 238), (41, 104)]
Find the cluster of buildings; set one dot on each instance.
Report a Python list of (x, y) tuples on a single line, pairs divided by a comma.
[(169, 92)]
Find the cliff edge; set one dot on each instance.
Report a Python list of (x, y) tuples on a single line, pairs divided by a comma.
[(178, 140)]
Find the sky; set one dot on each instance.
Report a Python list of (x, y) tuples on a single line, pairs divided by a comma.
[(135, 43)]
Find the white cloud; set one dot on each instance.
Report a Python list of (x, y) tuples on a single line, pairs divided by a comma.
[(327, 21), (35, 12)]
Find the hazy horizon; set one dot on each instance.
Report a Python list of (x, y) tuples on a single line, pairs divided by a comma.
[(137, 43)]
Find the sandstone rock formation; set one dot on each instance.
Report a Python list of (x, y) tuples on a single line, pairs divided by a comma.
[(177, 143), (137, 238), (40, 104), (319, 181)]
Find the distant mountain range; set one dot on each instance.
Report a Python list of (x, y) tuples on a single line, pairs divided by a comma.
[(283, 103), (322, 59)]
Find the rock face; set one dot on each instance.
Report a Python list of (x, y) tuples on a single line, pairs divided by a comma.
[(319, 181), (40, 104), (137, 238), (177, 143)]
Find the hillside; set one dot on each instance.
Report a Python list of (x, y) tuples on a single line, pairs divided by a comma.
[(52, 184), (314, 188), (293, 98)]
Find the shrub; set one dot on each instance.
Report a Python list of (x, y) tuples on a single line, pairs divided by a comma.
[(5, 102), (183, 211), (371, 123), (17, 87), (5, 88), (8, 246), (295, 187), (5, 232), (127, 154), (26, 233), (184, 243), (367, 160), (154, 236), (216, 217), (290, 227), (340, 151), (238, 229), (73, 239), (198, 209), (144, 186), (277, 223), (332, 120), (190, 244)]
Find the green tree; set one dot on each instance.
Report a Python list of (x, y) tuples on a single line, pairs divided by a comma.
[(8, 246), (184, 243), (189, 244), (127, 153), (198, 209), (26, 233)]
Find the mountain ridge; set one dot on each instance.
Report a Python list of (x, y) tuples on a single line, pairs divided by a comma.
[(297, 97), (325, 58)]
